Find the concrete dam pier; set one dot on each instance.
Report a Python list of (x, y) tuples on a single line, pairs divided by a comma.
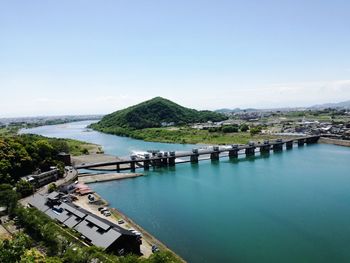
[(162, 159)]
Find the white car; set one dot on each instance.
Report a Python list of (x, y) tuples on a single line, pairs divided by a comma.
[(107, 213)]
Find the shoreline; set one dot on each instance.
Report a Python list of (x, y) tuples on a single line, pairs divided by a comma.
[(337, 142), (148, 239)]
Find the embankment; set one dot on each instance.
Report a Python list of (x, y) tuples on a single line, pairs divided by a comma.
[(87, 178), (334, 141)]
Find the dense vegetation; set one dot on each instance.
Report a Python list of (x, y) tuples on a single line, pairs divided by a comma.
[(23, 154), (151, 114)]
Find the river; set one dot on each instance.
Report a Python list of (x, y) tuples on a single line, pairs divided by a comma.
[(292, 206)]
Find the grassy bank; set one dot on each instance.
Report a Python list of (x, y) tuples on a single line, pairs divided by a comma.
[(81, 148), (186, 135)]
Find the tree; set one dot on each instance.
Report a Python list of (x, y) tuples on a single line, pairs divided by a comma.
[(255, 130), (24, 188), (45, 149), (11, 251), (60, 167), (52, 187), (8, 197), (32, 256), (229, 129), (244, 127), (163, 257)]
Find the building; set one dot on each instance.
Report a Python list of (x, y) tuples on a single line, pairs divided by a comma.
[(39, 180), (46, 177), (93, 229), (65, 158)]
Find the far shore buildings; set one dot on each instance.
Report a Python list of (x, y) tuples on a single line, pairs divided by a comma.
[(93, 229)]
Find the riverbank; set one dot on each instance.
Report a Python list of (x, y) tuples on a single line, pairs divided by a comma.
[(77, 148), (187, 135), (88, 178), (334, 141), (93, 158)]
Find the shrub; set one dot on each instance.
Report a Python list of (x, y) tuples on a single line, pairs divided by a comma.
[(52, 187), (229, 129), (244, 127), (255, 130), (24, 188)]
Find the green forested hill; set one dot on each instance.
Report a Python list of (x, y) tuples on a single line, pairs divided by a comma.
[(153, 113)]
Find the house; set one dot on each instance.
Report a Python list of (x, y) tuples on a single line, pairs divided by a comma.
[(42, 179), (94, 229)]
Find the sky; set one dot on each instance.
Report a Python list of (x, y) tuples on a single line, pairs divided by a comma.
[(95, 57)]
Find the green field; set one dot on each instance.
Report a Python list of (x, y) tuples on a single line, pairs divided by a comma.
[(80, 148)]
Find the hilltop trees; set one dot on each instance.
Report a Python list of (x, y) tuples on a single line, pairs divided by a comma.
[(21, 155)]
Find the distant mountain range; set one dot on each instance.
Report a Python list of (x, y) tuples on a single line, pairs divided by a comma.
[(342, 105), (338, 105)]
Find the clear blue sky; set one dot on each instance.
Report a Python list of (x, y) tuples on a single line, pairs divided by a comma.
[(82, 57)]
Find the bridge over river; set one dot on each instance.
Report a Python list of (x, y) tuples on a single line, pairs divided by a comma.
[(161, 159)]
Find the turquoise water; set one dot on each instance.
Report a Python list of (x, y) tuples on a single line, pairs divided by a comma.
[(292, 206)]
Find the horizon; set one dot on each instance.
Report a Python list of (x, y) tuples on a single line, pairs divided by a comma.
[(85, 58), (103, 114)]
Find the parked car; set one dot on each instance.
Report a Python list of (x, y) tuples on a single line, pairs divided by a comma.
[(103, 210), (107, 213), (154, 249)]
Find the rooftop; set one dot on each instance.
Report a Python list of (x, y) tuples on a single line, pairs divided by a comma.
[(99, 231)]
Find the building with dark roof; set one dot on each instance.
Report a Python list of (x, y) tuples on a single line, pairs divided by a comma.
[(65, 158), (42, 179), (95, 230)]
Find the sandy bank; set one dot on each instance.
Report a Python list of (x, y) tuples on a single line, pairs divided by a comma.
[(87, 178), (99, 158), (93, 158), (334, 141)]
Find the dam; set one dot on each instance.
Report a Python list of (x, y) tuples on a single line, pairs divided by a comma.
[(161, 159)]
